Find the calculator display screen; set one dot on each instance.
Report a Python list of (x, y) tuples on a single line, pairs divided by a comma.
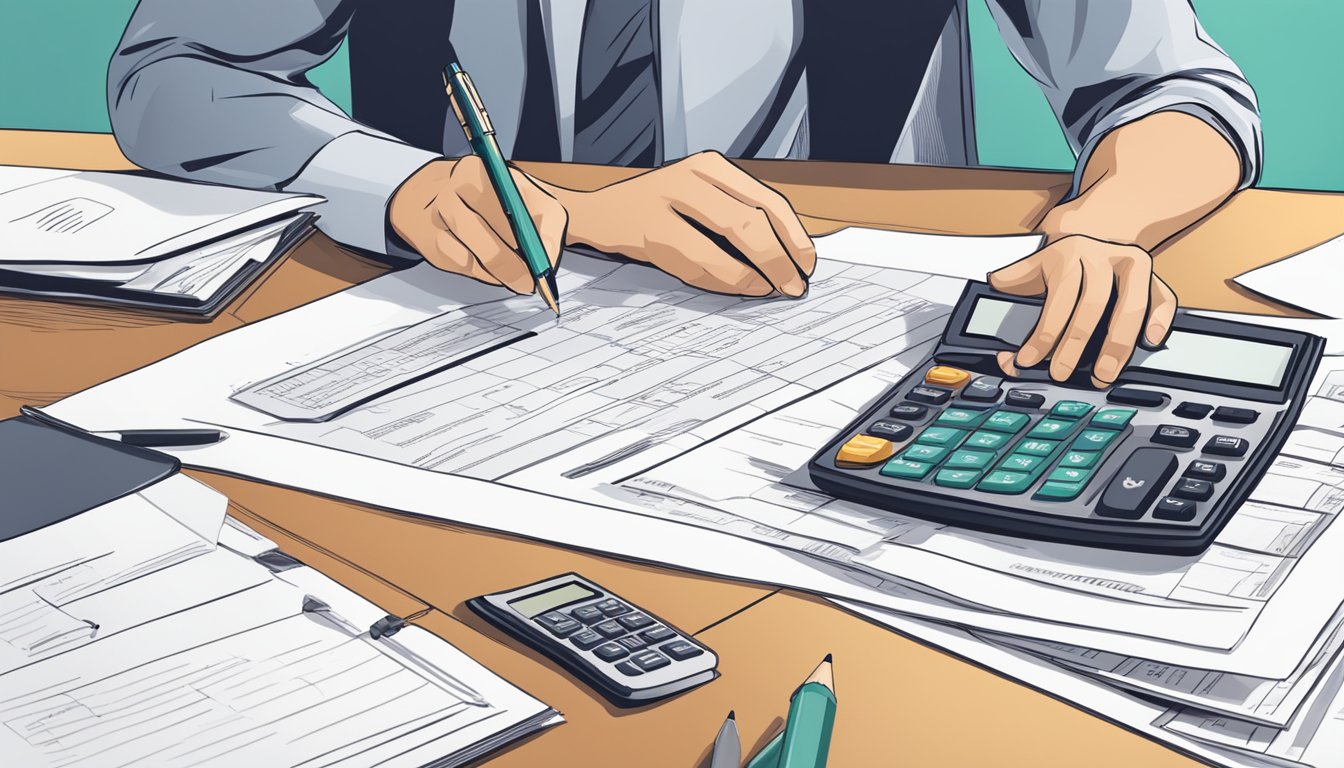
[(1221, 358), (535, 605)]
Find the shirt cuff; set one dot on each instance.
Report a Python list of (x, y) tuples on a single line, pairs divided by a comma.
[(1239, 126), (358, 174)]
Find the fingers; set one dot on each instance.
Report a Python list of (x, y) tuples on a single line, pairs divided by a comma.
[(1132, 280), (1023, 277), (715, 169), (1059, 303), (1161, 312), (747, 230), (550, 217), (696, 260), (1093, 296)]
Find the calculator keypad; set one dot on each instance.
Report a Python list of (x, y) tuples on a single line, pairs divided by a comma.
[(615, 633), (978, 438)]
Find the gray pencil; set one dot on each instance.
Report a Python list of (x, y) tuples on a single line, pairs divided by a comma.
[(727, 746)]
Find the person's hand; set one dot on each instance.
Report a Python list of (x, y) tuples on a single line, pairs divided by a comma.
[(1076, 274), (448, 212), (702, 220)]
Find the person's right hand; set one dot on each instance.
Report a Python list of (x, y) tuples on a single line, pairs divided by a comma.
[(448, 212)]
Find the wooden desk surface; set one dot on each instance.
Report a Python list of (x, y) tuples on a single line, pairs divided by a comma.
[(900, 702)]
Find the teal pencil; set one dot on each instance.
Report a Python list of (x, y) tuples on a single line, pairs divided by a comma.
[(807, 732)]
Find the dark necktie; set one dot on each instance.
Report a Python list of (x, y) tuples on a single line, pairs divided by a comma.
[(616, 108)]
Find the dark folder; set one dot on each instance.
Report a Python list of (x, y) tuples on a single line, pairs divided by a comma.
[(49, 474)]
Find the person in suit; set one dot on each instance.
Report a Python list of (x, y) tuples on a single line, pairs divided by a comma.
[(1164, 125)]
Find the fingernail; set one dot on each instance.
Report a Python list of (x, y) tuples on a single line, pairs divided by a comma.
[(1155, 333), (1107, 366), (795, 287)]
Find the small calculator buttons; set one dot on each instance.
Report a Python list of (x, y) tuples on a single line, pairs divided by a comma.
[(1229, 415), (1226, 445), (865, 450), (1133, 396), (1189, 410), (946, 376), (1175, 436), (1020, 398), (1140, 480)]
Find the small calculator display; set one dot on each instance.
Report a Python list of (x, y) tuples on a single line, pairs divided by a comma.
[(1156, 463), (627, 654)]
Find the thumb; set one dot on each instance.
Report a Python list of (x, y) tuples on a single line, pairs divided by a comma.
[(1023, 277)]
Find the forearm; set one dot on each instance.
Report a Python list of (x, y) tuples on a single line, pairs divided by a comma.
[(1148, 180)]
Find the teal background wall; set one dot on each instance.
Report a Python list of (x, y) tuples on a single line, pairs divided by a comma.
[(54, 53)]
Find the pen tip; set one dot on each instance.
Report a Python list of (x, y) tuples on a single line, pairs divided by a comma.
[(826, 660), (732, 714)]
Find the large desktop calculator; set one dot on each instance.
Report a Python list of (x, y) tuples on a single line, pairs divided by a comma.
[(623, 652), (1156, 463)]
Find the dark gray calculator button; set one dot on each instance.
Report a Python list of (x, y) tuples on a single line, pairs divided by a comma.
[(1226, 445), (609, 629), (984, 389), (588, 614), (889, 430), (1131, 396), (908, 412), (614, 607), (610, 652), (681, 650), (629, 669), (1179, 437), (635, 621), (1138, 482), (632, 643), (1023, 399), (1189, 410), (1206, 470), (586, 639), (563, 628), (1231, 415), (554, 617), (1190, 488), (649, 660), (657, 634), (1170, 508), (930, 395)]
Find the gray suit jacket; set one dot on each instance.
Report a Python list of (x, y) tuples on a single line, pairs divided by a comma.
[(216, 90)]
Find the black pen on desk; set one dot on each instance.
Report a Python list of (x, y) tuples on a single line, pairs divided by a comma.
[(144, 438)]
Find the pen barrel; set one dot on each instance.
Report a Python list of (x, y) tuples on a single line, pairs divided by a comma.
[(807, 732), (511, 200)]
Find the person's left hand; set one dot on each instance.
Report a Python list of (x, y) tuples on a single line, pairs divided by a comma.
[(1077, 273), (702, 220)]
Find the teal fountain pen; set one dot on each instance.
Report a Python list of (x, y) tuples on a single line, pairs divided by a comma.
[(476, 123)]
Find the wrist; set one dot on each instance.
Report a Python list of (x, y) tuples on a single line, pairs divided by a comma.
[(1073, 218), (585, 219)]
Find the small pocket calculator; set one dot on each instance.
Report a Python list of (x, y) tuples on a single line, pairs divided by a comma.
[(625, 653), (1156, 463)]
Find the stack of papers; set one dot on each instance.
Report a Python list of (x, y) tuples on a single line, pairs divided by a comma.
[(133, 239), (148, 632), (664, 424)]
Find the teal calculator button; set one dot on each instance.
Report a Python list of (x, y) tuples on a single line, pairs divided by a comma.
[(906, 469), (1071, 409), (1112, 418), (1036, 447), (1020, 462), (989, 441), (929, 453), (964, 459), (1050, 428), (960, 417), (940, 436), (956, 478), (1056, 491), (1069, 475), (1001, 481), (1006, 421), (1080, 459), (1093, 439)]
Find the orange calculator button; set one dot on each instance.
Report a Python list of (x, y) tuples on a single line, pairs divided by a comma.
[(946, 376), (865, 449)]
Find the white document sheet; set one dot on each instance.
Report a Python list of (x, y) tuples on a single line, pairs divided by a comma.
[(590, 422), (969, 257), (92, 217), (1303, 280)]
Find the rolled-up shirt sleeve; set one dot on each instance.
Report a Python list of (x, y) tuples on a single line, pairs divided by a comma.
[(1105, 63), (218, 92)]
